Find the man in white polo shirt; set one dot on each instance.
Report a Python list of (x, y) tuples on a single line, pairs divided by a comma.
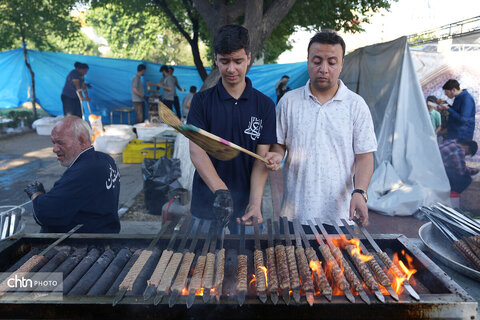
[(328, 133)]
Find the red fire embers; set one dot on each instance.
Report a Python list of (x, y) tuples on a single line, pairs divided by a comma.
[(184, 292), (408, 271), (199, 292)]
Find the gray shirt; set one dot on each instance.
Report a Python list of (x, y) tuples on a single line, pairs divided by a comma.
[(169, 81), (137, 84), (187, 99)]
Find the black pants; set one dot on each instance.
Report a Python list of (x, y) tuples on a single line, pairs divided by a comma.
[(458, 183), (169, 104), (176, 103), (71, 106)]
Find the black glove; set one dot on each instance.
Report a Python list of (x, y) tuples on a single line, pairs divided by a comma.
[(33, 188), (223, 206)]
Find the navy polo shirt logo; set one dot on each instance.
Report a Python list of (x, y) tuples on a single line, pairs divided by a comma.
[(254, 128)]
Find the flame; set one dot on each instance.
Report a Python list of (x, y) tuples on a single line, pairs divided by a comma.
[(356, 250), (264, 269), (252, 282), (213, 291), (199, 292), (407, 271), (316, 266), (184, 292)]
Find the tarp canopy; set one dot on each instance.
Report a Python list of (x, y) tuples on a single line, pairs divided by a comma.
[(409, 171), (110, 79)]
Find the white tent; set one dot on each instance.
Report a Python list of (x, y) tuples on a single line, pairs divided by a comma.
[(409, 171)]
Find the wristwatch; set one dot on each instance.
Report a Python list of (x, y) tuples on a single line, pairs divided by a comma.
[(362, 192)]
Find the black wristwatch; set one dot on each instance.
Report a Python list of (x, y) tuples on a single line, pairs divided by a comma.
[(362, 192)]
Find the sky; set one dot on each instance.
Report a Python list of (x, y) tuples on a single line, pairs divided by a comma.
[(404, 17)]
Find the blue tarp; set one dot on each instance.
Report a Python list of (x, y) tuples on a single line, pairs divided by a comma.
[(110, 79)]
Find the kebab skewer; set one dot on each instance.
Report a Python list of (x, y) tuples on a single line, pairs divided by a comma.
[(259, 265), (332, 266), (389, 263), (373, 263), (292, 263), (184, 270), (242, 260), (195, 285), (209, 271), (157, 274), (282, 264), (167, 278), (127, 283), (361, 266), (315, 264), (271, 267), (304, 270), (35, 260)]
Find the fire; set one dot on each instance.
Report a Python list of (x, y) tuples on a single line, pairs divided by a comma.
[(264, 269), (213, 291), (184, 292), (407, 271), (343, 242), (252, 282), (316, 266), (199, 292)]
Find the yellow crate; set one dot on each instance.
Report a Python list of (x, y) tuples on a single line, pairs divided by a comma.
[(137, 150)]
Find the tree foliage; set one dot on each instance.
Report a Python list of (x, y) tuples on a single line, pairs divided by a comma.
[(42, 25), (141, 33)]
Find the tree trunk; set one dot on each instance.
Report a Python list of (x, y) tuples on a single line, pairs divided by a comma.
[(32, 75), (260, 24)]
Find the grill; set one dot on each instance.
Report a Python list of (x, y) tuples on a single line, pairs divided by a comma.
[(91, 292)]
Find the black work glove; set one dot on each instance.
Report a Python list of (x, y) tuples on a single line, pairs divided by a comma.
[(33, 188), (223, 206)]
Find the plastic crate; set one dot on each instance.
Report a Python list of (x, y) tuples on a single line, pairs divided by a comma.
[(137, 150)]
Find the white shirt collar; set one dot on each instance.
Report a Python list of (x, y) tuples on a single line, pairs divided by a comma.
[(339, 95)]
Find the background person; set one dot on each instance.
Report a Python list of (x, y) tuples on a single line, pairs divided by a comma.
[(328, 132), (461, 114), (138, 93), (75, 83), (176, 101), (435, 116), (453, 156), (237, 112), (281, 87), (88, 191), (187, 101)]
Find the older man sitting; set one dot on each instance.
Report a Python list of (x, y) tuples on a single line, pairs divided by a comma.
[(88, 191)]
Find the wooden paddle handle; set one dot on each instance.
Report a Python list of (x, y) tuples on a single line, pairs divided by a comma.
[(232, 145)]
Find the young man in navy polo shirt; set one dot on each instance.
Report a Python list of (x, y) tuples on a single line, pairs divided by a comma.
[(237, 112)]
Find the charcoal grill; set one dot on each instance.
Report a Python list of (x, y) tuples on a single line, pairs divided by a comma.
[(440, 296)]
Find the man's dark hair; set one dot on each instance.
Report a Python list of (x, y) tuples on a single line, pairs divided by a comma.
[(141, 67), (77, 65), (193, 89), (327, 37), (450, 84), (432, 99), (230, 38), (164, 68), (472, 145), (170, 68)]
